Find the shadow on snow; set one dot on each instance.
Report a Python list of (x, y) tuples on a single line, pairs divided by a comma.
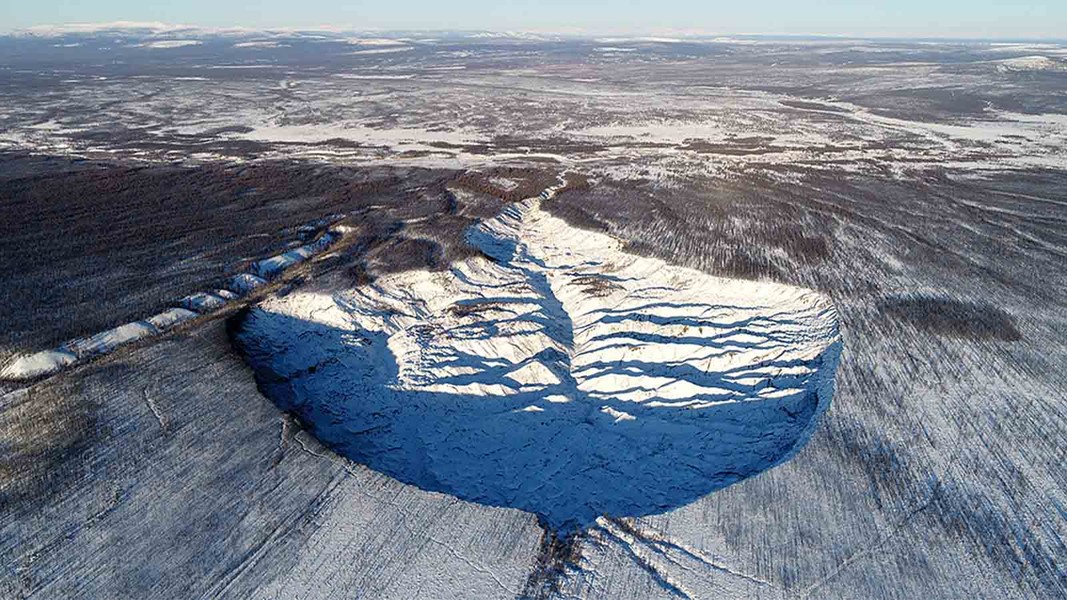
[(569, 460)]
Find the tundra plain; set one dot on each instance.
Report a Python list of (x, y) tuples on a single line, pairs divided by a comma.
[(727, 317)]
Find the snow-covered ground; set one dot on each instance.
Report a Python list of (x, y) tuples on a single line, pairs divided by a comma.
[(877, 108)]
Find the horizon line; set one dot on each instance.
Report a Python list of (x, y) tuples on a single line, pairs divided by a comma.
[(162, 28)]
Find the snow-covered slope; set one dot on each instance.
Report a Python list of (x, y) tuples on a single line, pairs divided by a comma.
[(556, 373)]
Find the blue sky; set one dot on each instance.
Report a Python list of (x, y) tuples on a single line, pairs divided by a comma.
[(903, 18)]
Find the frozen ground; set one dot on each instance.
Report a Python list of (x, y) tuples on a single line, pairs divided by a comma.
[(744, 185), (707, 106)]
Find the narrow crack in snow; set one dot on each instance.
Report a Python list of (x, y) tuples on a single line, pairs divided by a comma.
[(155, 410)]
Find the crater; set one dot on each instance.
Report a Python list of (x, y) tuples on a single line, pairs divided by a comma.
[(552, 372)]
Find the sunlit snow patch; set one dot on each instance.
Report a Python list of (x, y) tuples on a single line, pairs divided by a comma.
[(170, 44), (246, 283), (560, 375), (49, 362), (1031, 63), (38, 364)]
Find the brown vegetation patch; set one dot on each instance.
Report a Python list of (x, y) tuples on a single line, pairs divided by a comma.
[(805, 105), (952, 318), (85, 246), (41, 430), (596, 286), (530, 182), (558, 554)]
